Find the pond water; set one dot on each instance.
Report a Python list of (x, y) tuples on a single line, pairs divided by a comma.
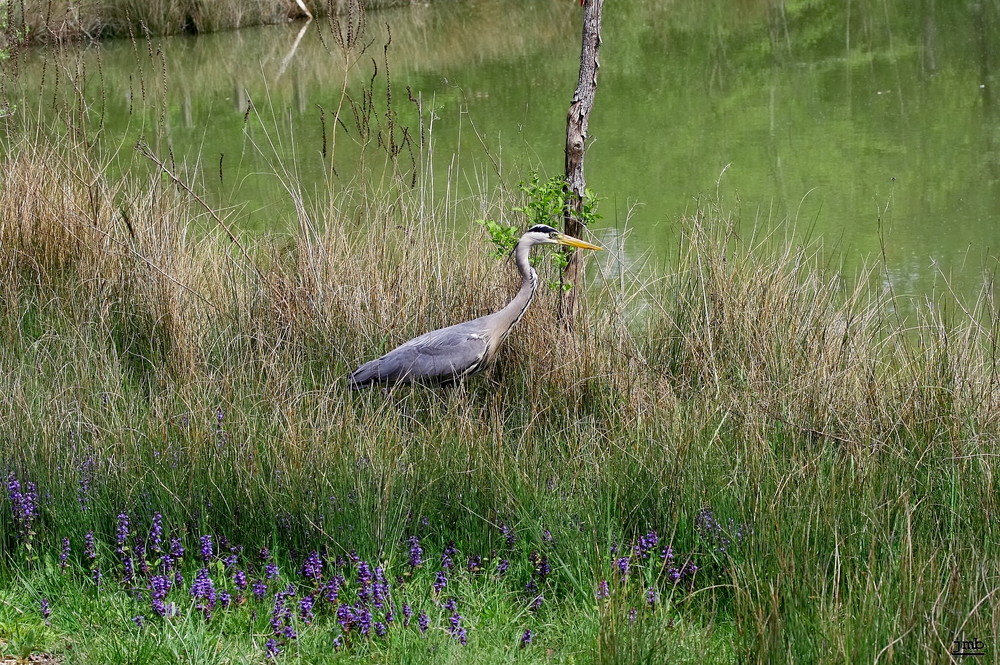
[(872, 124)]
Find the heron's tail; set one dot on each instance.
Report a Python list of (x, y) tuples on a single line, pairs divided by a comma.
[(363, 376)]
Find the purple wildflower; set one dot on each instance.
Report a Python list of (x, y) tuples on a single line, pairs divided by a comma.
[(536, 604), (240, 579), (159, 586), (313, 567), (712, 532), (24, 506), (203, 591), (121, 534), (546, 536), (363, 619), (526, 638), (176, 548), (64, 555), (345, 617), (455, 628), (407, 614), (139, 620), (651, 596), (440, 581), (381, 629), (89, 547), (602, 590), (475, 563), (508, 535), (332, 588), (647, 544), (448, 555), (380, 588), (622, 564), (306, 609), (541, 564), (155, 541), (676, 574), (416, 552), (128, 569), (502, 567), (271, 571), (272, 648), (365, 579), (206, 548), (259, 589), (86, 476), (632, 614), (44, 608), (96, 576), (281, 617), (423, 621)]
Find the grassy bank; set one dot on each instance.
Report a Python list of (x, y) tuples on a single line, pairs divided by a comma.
[(742, 460), (59, 21)]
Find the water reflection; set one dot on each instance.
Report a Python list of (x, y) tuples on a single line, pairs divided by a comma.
[(872, 124)]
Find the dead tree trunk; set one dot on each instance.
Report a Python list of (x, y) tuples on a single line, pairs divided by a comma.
[(576, 139)]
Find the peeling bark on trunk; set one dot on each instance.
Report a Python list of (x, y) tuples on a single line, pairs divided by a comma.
[(576, 139)]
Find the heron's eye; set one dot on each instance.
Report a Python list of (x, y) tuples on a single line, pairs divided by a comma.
[(554, 235)]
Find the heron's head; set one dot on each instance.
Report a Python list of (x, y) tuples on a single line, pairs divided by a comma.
[(544, 234)]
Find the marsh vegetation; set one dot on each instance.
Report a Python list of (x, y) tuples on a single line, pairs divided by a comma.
[(746, 457)]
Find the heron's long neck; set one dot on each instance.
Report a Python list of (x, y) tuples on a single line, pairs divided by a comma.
[(513, 312)]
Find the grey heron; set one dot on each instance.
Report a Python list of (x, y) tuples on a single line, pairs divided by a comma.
[(451, 353)]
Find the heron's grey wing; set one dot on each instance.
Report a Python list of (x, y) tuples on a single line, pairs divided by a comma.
[(440, 355)]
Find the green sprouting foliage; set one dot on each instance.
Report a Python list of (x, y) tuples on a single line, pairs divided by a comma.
[(503, 237), (547, 203)]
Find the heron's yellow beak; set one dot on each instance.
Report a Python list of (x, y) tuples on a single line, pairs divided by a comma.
[(563, 239)]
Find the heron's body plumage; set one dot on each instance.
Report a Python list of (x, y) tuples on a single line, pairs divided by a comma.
[(452, 353), (440, 355)]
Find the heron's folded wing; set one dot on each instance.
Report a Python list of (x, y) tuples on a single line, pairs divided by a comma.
[(438, 355)]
